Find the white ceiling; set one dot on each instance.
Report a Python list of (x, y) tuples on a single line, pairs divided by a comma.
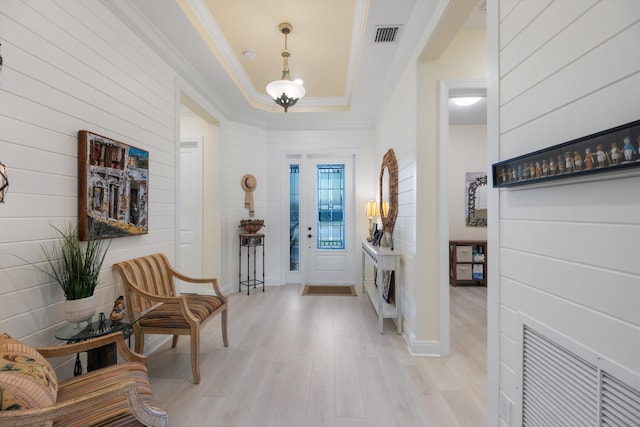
[(347, 76)]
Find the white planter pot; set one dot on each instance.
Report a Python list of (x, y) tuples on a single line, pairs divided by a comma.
[(79, 310)]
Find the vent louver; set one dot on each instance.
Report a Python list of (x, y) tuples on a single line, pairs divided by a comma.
[(386, 34), (558, 387), (561, 388), (620, 403)]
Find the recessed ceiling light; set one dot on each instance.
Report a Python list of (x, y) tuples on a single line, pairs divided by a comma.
[(465, 101)]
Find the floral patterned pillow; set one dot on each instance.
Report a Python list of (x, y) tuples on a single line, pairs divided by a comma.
[(27, 380)]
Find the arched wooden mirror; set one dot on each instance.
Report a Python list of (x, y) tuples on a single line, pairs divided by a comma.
[(477, 202), (389, 192)]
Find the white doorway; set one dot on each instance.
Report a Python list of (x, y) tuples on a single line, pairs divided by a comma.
[(321, 220), (190, 254), (450, 89), (198, 188)]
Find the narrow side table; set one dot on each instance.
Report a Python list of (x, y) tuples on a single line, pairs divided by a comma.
[(250, 241)]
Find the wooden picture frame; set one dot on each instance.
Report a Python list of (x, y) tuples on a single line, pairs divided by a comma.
[(615, 149), (476, 199), (388, 191), (113, 189)]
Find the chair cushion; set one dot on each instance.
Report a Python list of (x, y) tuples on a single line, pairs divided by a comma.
[(27, 380), (169, 315)]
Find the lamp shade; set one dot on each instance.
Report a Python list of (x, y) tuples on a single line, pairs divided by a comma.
[(290, 88), (371, 209)]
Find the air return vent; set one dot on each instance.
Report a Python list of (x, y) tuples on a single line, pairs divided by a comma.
[(620, 403), (560, 388), (386, 34)]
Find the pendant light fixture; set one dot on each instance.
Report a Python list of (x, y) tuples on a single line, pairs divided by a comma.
[(285, 92)]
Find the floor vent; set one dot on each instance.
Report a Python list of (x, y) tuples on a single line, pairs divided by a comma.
[(561, 388), (386, 34)]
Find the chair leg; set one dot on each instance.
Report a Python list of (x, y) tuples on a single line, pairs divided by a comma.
[(139, 338), (174, 342), (195, 355), (225, 340)]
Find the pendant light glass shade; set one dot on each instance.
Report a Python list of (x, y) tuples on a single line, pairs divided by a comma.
[(285, 92)]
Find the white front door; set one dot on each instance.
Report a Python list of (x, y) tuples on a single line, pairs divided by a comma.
[(190, 256), (327, 218)]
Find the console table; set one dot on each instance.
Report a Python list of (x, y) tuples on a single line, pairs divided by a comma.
[(385, 260), (250, 241)]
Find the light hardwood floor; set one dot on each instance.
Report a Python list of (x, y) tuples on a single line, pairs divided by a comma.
[(309, 361)]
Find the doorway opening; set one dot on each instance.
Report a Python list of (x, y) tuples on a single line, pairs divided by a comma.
[(198, 191), (463, 150), (321, 220)]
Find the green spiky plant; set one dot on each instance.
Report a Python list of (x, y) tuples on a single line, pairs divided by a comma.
[(75, 265)]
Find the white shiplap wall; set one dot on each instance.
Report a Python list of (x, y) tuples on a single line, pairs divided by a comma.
[(397, 129), (568, 253), (244, 152), (70, 65)]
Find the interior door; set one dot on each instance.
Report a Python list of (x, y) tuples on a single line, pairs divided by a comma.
[(327, 220), (190, 256)]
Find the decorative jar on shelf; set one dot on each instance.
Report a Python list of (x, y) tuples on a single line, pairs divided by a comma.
[(251, 226)]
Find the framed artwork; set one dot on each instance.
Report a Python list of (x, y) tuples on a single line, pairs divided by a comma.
[(377, 236), (614, 149), (476, 199), (113, 189)]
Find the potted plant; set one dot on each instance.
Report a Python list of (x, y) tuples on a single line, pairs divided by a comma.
[(75, 266)]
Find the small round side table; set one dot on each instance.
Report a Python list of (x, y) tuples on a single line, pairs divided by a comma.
[(98, 326)]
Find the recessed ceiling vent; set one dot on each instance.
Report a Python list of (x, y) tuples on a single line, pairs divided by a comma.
[(386, 34)]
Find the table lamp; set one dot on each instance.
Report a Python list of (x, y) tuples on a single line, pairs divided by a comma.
[(371, 210)]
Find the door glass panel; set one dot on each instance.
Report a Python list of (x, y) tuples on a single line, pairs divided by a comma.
[(294, 217), (330, 224)]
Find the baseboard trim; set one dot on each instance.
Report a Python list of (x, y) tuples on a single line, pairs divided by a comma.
[(421, 348)]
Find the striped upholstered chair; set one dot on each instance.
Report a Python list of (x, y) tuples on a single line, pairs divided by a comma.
[(116, 395), (154, 306)]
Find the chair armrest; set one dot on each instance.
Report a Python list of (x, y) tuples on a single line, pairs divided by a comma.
[(153, 297), (213, 281), (93, 343), (142, 411)]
